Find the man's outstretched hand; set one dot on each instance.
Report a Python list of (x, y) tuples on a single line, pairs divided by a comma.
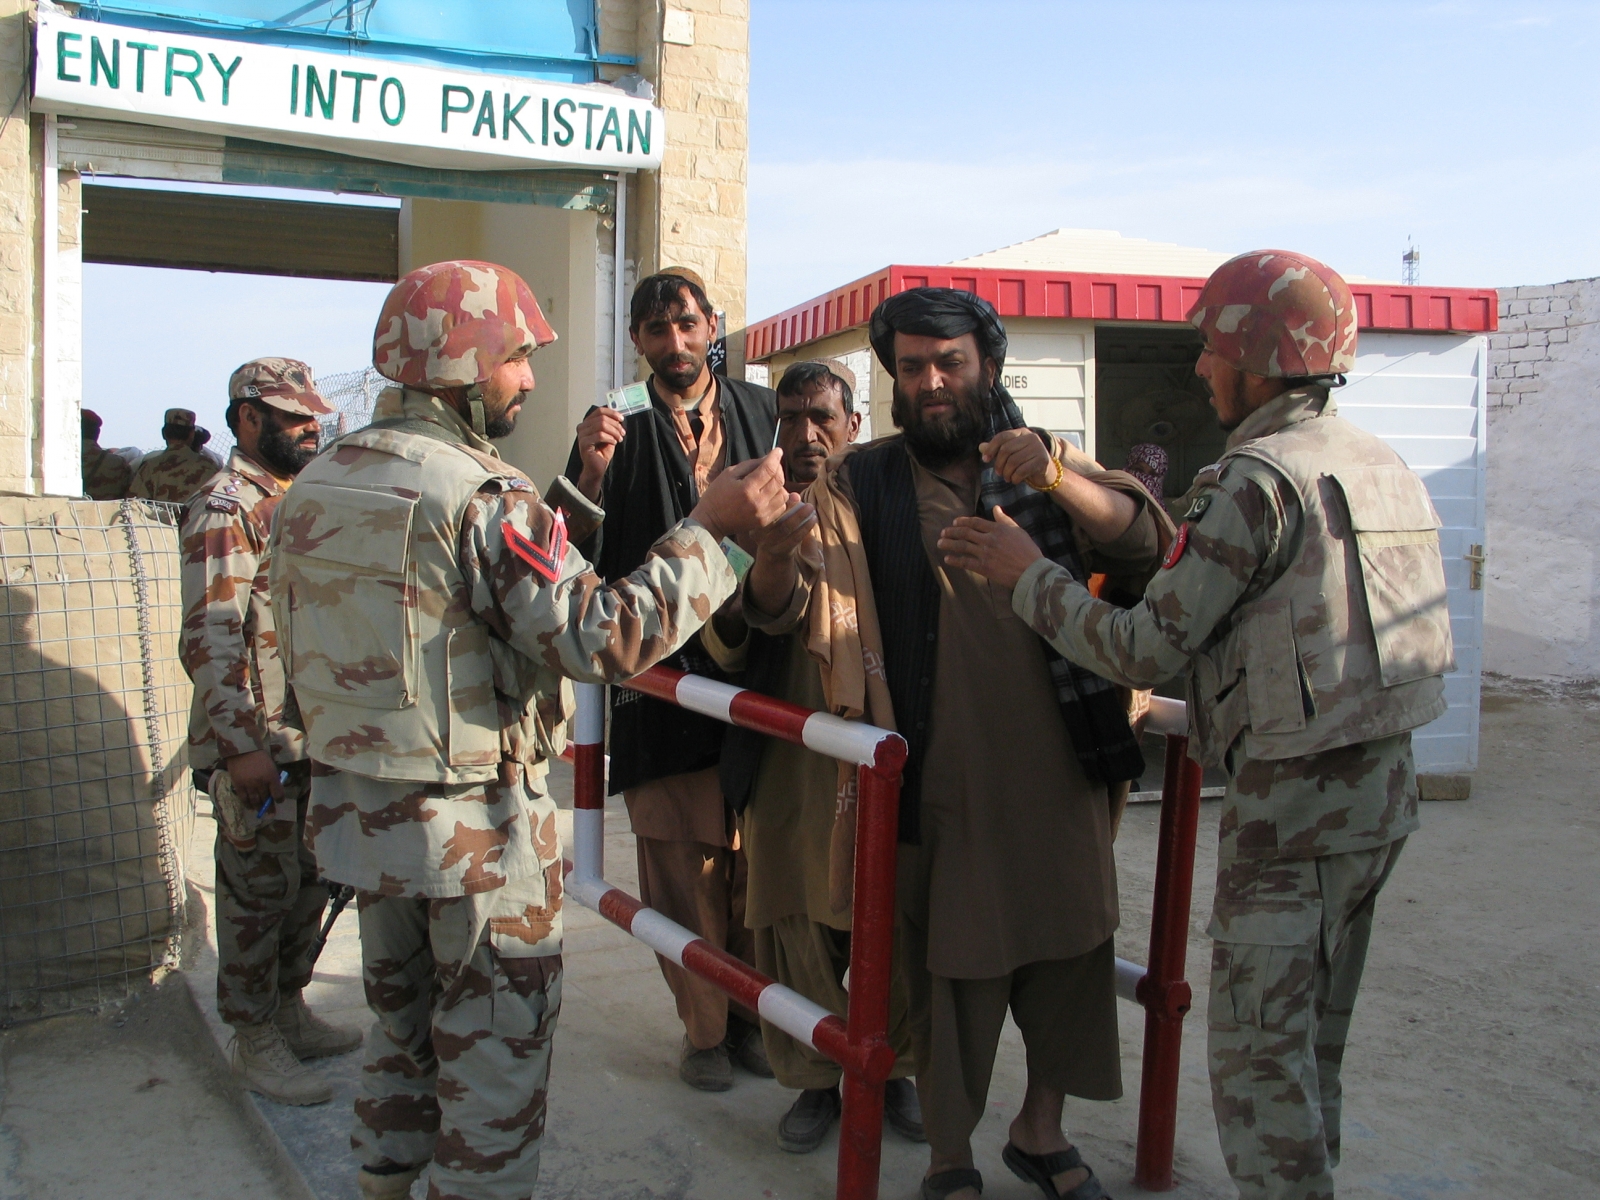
[(746, 496), (1000, 549)]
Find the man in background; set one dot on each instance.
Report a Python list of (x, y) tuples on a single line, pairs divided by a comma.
[(176, 473), (788, 796), (106, 474), (254, 761), (648, 471)]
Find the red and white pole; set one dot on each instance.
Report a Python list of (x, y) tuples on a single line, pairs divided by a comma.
[(1163, 991)]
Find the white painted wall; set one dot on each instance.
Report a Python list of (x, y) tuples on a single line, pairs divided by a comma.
[(1424, 395), (1544, 512)]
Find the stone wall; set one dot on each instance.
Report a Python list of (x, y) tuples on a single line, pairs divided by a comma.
[(17, 285), (1542, 580)]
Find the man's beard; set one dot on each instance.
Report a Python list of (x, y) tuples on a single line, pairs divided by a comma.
[(941, 442), (282, 450), (499, 426), (679, 370)]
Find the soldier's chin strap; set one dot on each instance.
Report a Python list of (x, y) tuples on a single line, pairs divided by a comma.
[(475, 410)]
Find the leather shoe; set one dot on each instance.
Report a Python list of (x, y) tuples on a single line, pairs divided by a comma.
[(902, 1110), (748, 1050), (709, 1070), (807, 1122)]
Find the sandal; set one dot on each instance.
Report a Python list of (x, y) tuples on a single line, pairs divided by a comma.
[(1041, 1170), (937, 1187)]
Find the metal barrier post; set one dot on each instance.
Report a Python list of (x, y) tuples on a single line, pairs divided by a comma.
[(871, 960), (1163, 991)]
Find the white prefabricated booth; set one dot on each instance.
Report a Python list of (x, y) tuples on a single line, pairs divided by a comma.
[(1100, 353)]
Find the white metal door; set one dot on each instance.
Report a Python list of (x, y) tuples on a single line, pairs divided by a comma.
[(1424, 395)]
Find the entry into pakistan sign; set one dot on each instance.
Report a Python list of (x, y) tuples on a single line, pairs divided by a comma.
[(373, 108)]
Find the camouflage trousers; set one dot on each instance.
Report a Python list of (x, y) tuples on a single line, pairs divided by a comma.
[(1291, 940), (466, 997), (269, 904)]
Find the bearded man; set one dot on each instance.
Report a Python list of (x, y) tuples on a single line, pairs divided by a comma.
[(1007, 889)]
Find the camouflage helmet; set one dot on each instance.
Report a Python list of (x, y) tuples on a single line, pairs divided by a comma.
[(453, 324), (1279, 314)]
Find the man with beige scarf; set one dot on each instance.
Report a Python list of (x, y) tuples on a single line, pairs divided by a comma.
[(1007, 889)]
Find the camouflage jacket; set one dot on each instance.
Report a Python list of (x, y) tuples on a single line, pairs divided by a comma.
[(230, 641), (106, 474), (175, 474), (1253, 556), (395, 807)]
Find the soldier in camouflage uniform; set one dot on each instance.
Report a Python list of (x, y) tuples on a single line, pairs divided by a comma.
[(176, 473), (105, 473), (268, 901), (1305, 596), (430, 603)]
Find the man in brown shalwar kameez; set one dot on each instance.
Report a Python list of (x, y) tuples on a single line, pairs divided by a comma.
[(1007, 888)]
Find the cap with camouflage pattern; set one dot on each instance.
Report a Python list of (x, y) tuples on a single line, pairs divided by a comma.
[(284, 383), (453, 324), (179, 418), (1279, 314)]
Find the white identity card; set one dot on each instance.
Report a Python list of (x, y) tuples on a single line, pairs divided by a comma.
[(634, 398)]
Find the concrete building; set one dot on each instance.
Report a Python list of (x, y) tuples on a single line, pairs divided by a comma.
[(1100, 353), (559, 138), (1542, 597)]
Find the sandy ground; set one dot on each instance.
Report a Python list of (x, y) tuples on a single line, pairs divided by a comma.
[(1472, 1070)]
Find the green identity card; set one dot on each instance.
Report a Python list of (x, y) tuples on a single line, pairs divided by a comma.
[(738, 559), (634, 398)]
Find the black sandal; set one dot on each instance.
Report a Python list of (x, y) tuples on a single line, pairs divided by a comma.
[(1041, 1170), (945, 1183)]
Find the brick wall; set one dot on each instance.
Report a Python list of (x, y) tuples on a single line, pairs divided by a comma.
[(1539, 326), (1542, 579)]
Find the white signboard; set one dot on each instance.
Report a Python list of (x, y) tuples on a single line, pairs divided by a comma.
[(373, 108)]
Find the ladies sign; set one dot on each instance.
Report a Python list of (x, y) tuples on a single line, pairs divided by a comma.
[(373, 108)]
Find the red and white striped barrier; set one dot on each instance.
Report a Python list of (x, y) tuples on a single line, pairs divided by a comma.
[(860, 1045)]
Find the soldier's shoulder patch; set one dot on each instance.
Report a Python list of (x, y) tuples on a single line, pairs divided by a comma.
[(517, 484), (1197, 507), (222, 504), (1179, 544)]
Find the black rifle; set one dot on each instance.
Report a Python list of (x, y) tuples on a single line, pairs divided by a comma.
[(339, 895)]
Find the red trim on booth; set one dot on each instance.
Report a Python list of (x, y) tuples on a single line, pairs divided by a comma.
[(1088, 296)]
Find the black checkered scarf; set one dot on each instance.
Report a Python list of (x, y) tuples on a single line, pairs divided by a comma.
[(1093, 709)]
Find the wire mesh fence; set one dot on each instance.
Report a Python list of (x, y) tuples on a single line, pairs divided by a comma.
[(352, 394), (96, 808)]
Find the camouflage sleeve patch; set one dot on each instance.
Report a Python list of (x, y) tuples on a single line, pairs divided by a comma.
[(1183, 606), (220, 563), (575, 624)]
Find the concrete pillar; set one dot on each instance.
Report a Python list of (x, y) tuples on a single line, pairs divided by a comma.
[(558, 251)]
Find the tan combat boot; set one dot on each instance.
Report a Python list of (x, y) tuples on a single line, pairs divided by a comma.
[(264, 1063), (388, 1187), (308, 1035)]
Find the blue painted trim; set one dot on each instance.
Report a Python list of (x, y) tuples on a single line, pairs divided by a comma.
[(178, 20)]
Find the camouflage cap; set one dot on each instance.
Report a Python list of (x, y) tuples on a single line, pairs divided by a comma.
[(284, 383), (453, 324), (1279, 314), (179, 418)]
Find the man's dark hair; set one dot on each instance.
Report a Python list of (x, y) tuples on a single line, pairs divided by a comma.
[(91, 425), (803, 378), (232, 415), (657, 296), (176, 433)]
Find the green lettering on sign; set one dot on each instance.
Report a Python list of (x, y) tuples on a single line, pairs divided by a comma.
[(360, 78), (564, 123), (138, 65), (485, 114), (226, 73), (446, 108), (192, 75), (511, 119), (644, 134), (544, 130), (588, 125), (294, 90), (324, 100), (98, 64), (612, 128), (383, 101), (62, 54)]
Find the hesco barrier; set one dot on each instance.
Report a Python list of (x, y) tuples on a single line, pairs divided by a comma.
[(860, 1044), (96, 808)]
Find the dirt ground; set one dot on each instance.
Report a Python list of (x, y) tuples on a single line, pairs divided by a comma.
[(1473, 1069)]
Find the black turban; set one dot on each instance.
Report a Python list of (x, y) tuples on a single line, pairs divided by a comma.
[(941, 313)]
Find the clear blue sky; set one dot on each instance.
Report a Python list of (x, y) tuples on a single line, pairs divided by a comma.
[(915, 131)]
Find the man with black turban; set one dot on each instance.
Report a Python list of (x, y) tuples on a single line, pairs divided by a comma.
[(1007, 889)]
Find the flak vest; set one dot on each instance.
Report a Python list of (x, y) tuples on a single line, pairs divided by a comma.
[(395, 678), (1352, 641)]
